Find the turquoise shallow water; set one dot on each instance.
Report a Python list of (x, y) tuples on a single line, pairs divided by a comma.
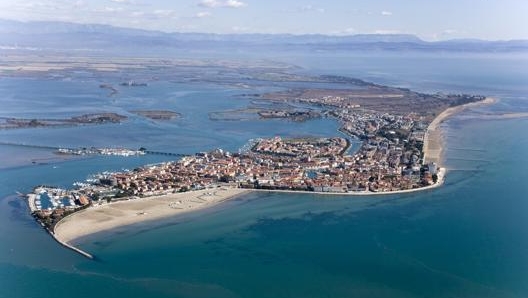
[(468, 238)]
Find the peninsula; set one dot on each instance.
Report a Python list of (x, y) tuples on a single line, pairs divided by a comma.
[(400, 151)]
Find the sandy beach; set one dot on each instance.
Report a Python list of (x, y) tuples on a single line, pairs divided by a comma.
[(114, 215), (434, 141), (109, 216)]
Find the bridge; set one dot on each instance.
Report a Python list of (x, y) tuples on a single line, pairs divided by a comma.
[(30, 145), (165, 153)]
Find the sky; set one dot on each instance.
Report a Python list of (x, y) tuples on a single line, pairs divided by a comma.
[(428, 19)]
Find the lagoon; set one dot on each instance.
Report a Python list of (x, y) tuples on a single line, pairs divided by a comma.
[(467, 238)]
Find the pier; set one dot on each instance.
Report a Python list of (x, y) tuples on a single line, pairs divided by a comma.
[(75, 249)]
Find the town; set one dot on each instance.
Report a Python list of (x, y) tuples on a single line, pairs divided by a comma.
[(389, 159)]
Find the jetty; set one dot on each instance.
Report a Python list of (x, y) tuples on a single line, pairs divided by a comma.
[(75, 249), (31, 200)]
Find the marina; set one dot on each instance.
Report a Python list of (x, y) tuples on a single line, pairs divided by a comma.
[(95, 151)]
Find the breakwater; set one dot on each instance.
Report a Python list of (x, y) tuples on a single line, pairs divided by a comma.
[(75, 249)]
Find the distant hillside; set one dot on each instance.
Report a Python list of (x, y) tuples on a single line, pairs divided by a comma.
[(70, 36)]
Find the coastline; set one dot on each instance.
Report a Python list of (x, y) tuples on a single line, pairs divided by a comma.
[(109, 216), (441, 176), (123, 213), (434, 140)]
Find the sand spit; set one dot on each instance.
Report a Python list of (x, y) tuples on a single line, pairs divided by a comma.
[(434, 141)]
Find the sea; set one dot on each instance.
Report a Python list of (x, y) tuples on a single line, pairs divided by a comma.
[(468, 238)]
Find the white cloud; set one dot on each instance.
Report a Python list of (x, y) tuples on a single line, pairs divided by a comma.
[(449, 31), (203, 14), (39, 5), (386, 13), (220, 3), (235, 3), (164, 13), (120, 1), (159, 14), (108, 9), (137, 13), (309, 7)]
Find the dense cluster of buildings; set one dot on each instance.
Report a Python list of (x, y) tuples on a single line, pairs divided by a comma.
[(101, 151), (320, 164), (389, 159)]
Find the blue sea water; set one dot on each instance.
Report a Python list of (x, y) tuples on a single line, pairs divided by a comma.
[(468, 238)]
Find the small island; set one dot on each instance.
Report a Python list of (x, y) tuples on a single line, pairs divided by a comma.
[(96, 118), (295, 115), (157, 114)]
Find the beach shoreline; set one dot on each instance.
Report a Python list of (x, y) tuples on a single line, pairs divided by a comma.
[(109, 216), (434, 142), (105, 217)]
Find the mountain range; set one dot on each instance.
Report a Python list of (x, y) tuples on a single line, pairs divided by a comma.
[(69, 36)]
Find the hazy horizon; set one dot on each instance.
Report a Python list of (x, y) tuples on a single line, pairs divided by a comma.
[(430, 21), (270, 34)]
